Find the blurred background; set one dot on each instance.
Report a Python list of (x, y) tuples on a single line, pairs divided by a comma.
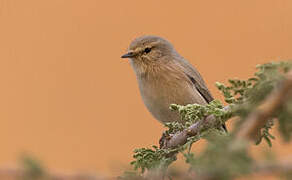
[(68, 98)]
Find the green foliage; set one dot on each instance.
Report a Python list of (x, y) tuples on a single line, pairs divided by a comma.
[(219, 159), (256, 88), (248, 94), (151, 158), (265, 134), (192, 113), (33, 169)]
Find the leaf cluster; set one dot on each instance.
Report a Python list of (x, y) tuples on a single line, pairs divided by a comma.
[(151, 158), (192, 113), (248, 94)]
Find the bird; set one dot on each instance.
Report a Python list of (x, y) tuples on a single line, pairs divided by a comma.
[(165, 77)]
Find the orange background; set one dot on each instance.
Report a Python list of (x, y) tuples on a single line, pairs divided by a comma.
[(68, 98)]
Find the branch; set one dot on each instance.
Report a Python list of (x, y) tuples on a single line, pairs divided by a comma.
[(257, 119), (180, 138)]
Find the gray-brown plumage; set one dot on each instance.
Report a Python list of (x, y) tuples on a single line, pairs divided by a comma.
[(165, 77)]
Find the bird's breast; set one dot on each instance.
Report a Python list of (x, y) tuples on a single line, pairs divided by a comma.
[(160, 90)]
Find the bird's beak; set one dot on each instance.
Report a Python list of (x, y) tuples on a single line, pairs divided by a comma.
[(128, 55)]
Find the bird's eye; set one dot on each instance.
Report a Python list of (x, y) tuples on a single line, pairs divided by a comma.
[(147, 50)]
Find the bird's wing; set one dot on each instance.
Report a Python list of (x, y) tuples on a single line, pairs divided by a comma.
[(196, 79), (198, 82)]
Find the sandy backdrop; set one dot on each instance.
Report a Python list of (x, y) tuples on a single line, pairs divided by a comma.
[(68, 98)]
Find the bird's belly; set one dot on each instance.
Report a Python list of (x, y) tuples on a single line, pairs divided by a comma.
[(158, 98), (159, 108)]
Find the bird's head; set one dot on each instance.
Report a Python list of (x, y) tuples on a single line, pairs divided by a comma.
[(149, 49)]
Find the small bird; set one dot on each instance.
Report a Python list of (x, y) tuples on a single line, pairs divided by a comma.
[(165, 77)]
